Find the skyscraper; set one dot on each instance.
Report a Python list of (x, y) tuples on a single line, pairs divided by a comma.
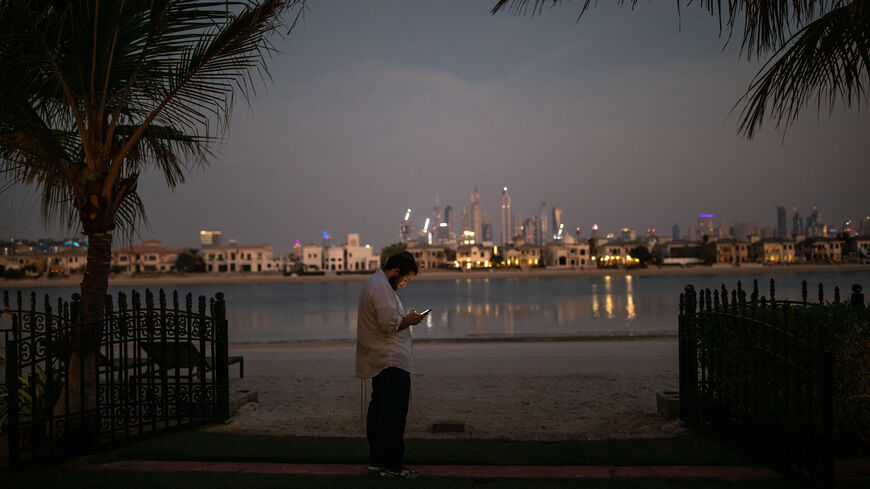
[(865, 226), (506, 235), (518, 226), (406, 228), (797, 224), (463, 221), (675, 232), (209, 238), (557, 220), (486, 229), (448, 219), (780, 222), (476, 221), (436, 214), (543, 225), (705, 225), (530, 229)]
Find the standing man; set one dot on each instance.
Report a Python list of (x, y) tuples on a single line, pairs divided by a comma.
[(383, 354)]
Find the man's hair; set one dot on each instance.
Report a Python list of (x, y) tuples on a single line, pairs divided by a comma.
[(404, 261)]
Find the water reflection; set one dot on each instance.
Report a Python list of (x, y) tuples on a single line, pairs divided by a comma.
[(484, 307)]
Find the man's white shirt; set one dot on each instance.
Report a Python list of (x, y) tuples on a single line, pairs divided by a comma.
[(378, 343)]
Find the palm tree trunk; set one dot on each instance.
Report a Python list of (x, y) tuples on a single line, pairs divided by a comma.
[(80, 392)]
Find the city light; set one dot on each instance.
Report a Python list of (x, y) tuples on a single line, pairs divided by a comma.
[(407, 214), (595, 227)]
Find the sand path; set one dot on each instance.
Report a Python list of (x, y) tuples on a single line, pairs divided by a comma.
[(494, 388)]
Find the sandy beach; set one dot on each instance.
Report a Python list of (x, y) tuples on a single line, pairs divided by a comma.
[(156, 280), (495, 388)]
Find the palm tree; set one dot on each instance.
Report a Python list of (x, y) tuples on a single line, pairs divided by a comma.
[(94, 92), (819, 52)]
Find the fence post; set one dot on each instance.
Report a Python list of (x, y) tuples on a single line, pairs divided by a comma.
[(222, 361), (688, 357), (12, 403), (857, 296)]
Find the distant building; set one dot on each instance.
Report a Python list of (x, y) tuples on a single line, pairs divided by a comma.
[(149, 257), (311, 257), (236, 258), (486, 229), (530, 229), (406, 228), (772, 251), (357, 257), (675, 232), (730, 251), (797, 224), (476, 218), (724, 231), (208, 239), (558, 224), (517, 226), (859, 247), (473, 256), (780, 222), (429, 257), (864, 229), (506, 223), (705, 225), (525, 255), (692, 234), (67, 261), (820, 249), (562, 254)]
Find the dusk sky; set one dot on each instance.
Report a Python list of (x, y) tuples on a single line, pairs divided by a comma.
[(621, 119)]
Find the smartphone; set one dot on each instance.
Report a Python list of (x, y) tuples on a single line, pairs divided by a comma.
[(427, 311)]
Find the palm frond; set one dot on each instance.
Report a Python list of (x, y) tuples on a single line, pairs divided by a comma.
[(828, 62), (767, 24)]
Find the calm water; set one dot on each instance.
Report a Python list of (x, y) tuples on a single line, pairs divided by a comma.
[(469, 308)]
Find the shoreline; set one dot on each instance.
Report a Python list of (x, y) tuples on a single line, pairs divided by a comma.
[(263, 278)]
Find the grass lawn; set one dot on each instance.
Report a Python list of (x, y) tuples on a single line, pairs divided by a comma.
[(196, 445), (93, 479)]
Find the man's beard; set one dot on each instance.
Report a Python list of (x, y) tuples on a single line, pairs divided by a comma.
[(394, 282)]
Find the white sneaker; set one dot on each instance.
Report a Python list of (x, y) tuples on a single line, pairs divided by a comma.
[(404, 473)]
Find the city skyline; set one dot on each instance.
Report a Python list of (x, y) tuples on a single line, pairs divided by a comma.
[(622, 119)]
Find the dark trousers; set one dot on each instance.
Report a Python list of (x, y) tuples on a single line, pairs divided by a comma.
[(385, 423)]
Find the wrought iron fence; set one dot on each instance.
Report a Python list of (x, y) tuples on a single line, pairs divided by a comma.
[(757, 373), (147, 367)]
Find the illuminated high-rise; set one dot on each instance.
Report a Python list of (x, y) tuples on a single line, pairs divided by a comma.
[(705, 225), (406, 228), (506, 234), (209, 238), (557, 220), (476, 218)]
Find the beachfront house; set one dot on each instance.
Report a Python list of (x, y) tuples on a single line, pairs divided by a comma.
[(680, 252), (568, 254), (820, 249), (67, 260), (525, 255), (428, 257), (333, 259), (236, 258), (617, 251), (149, 257), (359, 258), (771, 251), (311, 257), (473, 256), (729, 251), (859, 247), (25, 259)]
